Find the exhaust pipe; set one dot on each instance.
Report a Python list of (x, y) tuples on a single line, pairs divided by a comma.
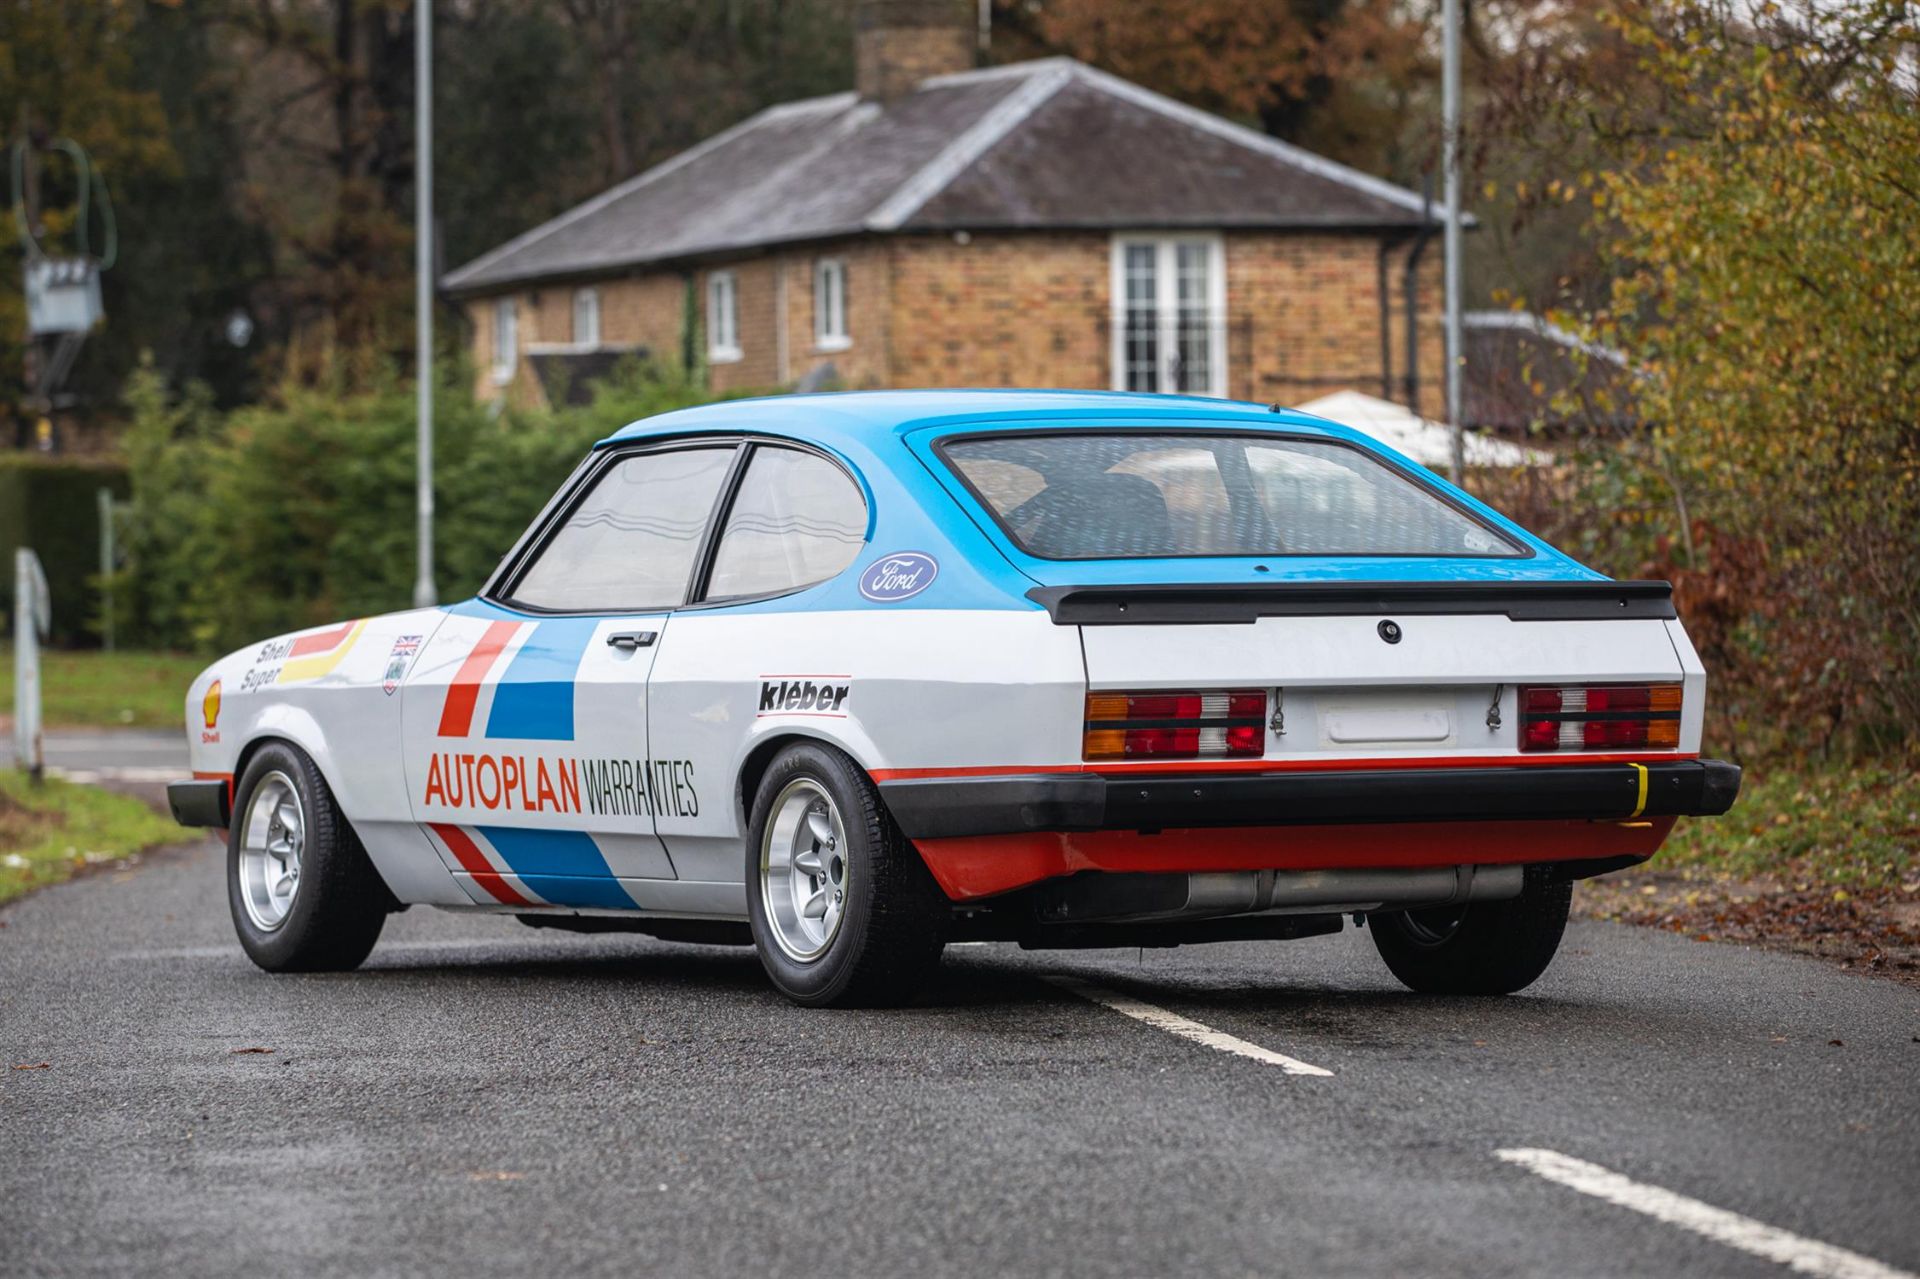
[(1140, 898)]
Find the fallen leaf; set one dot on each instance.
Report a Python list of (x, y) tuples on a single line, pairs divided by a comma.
[(1836, 1043), (239, 1051)]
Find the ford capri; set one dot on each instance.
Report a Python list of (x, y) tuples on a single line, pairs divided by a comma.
[(854, 676)]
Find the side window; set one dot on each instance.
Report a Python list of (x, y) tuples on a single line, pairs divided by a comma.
[(506, 339), (723, 318), (629, 545), (830, 305), (586, 317), (797, 520)]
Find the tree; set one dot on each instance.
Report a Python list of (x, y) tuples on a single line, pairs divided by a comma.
[(1760, 228), (1341, 76)]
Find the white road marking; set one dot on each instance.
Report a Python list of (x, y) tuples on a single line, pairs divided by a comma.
[(1808, 1256), (142, 774), (1186, 1027)]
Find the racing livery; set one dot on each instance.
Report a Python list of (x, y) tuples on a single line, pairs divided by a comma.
[(855, 675)]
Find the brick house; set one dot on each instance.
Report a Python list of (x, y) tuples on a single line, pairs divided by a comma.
[(1043, 224)]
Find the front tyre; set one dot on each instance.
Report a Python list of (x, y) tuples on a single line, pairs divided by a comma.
[(844, 912), (1486, 948), (303, 894)]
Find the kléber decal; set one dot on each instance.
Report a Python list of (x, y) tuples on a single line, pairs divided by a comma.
[(804, 695)]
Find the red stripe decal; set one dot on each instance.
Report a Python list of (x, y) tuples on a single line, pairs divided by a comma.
[(468, 854), (456, 717), (1281, 765), (321, 641)]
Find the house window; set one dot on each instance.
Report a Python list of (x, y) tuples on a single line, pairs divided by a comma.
[(723, 318), (506, 339), (830, 305), (586, 317), (1169, 314)]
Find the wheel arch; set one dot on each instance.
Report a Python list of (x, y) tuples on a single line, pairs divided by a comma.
[(760, 756)]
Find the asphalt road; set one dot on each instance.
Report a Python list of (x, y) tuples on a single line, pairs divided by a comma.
[(483, 1099), (116, 756)]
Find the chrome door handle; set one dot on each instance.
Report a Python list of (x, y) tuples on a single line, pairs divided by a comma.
[(627, 641)]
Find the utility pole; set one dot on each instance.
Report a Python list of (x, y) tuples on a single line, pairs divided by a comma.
[(1450, 126), (424, 592)]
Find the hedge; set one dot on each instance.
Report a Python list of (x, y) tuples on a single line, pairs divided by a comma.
[(300, 512), (51, 504)]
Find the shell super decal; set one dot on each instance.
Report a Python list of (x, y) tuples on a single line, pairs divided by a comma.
[(302, 657)]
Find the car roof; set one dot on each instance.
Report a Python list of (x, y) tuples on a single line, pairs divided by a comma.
[(872, 418)]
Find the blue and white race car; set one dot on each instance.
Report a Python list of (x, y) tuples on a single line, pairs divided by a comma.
[(860, 674)]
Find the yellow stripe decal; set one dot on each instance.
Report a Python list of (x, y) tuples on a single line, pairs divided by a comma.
[(305, 668), (1640, 805)]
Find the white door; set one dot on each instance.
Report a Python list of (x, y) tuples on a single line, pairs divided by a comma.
[(526, 716)]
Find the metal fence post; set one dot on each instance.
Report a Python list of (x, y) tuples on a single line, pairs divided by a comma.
[(31, 620), (104, 497)]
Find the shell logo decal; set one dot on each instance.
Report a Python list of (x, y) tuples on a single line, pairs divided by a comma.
[(210, 704)]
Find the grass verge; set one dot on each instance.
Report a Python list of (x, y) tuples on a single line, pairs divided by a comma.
[(95, 689), (51, 831), (1820, 860)]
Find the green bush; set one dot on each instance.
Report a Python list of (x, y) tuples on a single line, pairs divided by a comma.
[(51, 504), (280, 516)]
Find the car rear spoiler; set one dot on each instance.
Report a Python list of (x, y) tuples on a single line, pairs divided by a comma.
[(1182, 604)]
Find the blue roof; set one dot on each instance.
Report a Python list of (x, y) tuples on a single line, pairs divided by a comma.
[(870, 417)]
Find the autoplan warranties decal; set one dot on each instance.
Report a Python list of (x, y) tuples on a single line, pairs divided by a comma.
[(516, 783), (532, 700)]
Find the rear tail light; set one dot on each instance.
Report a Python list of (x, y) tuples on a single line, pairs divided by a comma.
[(1177, 725), (1602, 717)]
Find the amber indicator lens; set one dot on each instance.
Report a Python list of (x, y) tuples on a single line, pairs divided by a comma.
[(1183, 724)]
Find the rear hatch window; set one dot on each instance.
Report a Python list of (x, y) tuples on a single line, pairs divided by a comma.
[(1134, 495)]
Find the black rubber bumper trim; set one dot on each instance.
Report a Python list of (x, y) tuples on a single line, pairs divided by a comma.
[(200, 803), (941, 808)]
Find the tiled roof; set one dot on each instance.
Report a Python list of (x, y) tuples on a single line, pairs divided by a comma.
[(1046, 144)]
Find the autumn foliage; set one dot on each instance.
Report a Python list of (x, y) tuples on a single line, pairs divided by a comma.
[(1760, 224)]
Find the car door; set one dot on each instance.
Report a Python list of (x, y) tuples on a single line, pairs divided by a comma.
[(755, 656), (526, 715)]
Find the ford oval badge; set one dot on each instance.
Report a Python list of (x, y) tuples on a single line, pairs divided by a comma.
[(898, 576)]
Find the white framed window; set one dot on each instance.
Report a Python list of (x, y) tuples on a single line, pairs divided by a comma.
[(586, 317), (830, 305), (723, 318), (1170, 314), (506, 339)]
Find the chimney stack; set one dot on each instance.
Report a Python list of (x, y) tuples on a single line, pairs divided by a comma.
[(899, 43)]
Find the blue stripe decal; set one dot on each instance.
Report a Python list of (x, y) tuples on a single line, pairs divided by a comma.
[(534, 699), (563, 866)]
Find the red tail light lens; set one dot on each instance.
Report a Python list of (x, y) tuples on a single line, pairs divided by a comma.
[(1600, 717), (1176, 725)]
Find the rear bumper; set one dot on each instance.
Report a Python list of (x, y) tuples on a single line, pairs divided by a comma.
[(946, 808), (201, 802)]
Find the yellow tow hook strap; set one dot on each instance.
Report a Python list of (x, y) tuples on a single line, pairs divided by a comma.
[(1640, 804)]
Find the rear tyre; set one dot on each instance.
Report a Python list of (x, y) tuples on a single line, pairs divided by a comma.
[(304, 897), (844, 912), (1485, 948)]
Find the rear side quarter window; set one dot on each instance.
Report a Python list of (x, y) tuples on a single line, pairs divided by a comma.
[(797, 519)]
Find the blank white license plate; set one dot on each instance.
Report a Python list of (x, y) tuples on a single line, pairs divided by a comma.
[(1360, 725)]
